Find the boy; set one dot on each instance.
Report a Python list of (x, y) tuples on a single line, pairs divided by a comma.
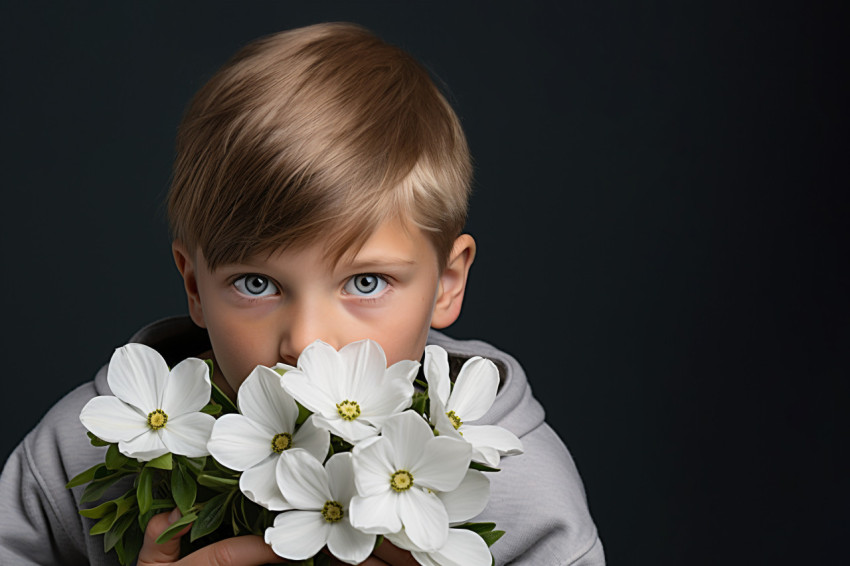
[(319, 192)]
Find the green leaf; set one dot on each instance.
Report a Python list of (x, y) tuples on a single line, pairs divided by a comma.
[(477, 527), (183, 488), (114, 534), (132, 543), (95, 441), (144, 491), (85, 477), (175, 528), (482, 467), (211, 408), (216, 465), (419, 400), (219, 397), (104, 524), (303, 413), (211, 516), (195, 465), (114, 458), (98, 487), (491, 536), (100, 511), (163, 462), (217, 482)]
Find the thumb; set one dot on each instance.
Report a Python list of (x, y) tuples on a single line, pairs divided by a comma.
[(152, 553)]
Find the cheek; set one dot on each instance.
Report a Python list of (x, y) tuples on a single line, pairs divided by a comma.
[(239, 349), (405, 338)]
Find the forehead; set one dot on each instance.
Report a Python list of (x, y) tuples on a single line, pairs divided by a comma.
[(394, 242)]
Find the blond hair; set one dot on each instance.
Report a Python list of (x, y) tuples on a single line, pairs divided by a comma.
[(317, 134)]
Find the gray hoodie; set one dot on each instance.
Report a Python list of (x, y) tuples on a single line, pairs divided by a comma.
[(537, 497)]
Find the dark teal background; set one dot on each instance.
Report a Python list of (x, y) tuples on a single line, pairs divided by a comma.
[(660, 206)]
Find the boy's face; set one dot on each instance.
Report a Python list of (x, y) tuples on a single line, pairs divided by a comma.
[(268, 309)]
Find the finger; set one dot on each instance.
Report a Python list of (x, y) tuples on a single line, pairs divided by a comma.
[(248, 550), (152, 553), (391, 554)]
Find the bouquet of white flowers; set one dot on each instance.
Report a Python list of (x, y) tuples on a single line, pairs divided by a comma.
[(338, 452)]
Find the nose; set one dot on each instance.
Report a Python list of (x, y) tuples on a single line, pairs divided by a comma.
[(305, 322)]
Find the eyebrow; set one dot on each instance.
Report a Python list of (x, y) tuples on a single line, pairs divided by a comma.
[(368, 263)]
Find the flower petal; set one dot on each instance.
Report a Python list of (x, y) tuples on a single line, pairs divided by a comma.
[(239, 443), (365, 363), (475, 389), (136, 375), (442, 464), (302, 480), (298, 535), (351, 431), (340, 471), (309, 392), (493, 436), (424, 517), (385, 400), (112, 420), (186, 389), (441, 421), (375, 514), (188, 434), (469, 499), (436, 370), (373, 466), (259, 484), (463, 548), (313, 439), (322, 365), (408, 434), (261, 398), (144, 447), (486, 455), (282, 367), (404, 370), (348, 544)]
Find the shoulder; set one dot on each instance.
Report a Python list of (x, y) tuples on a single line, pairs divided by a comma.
[(39, 519), (538, 497), (39, 514)]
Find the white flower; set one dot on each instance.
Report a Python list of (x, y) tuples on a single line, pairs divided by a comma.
[(321, 497), (154, 410), (397, 474), (351, 392), (463, 547), (254, 441), (474, 392)]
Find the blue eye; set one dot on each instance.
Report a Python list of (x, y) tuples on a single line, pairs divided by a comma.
[(255, 285), (365, 285)]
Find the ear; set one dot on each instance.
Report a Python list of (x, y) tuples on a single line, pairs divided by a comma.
[(186, 266), (453, 282)]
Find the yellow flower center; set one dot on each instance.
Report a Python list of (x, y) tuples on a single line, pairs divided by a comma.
[(157, 419), (456, 422), (281, 442), (401, 480), (332, 511), (348, 410)]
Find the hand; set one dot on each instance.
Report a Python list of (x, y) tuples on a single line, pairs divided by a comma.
[(385, 555), (247, 550)]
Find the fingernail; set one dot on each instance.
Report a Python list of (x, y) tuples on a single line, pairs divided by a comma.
[(174, 515)]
